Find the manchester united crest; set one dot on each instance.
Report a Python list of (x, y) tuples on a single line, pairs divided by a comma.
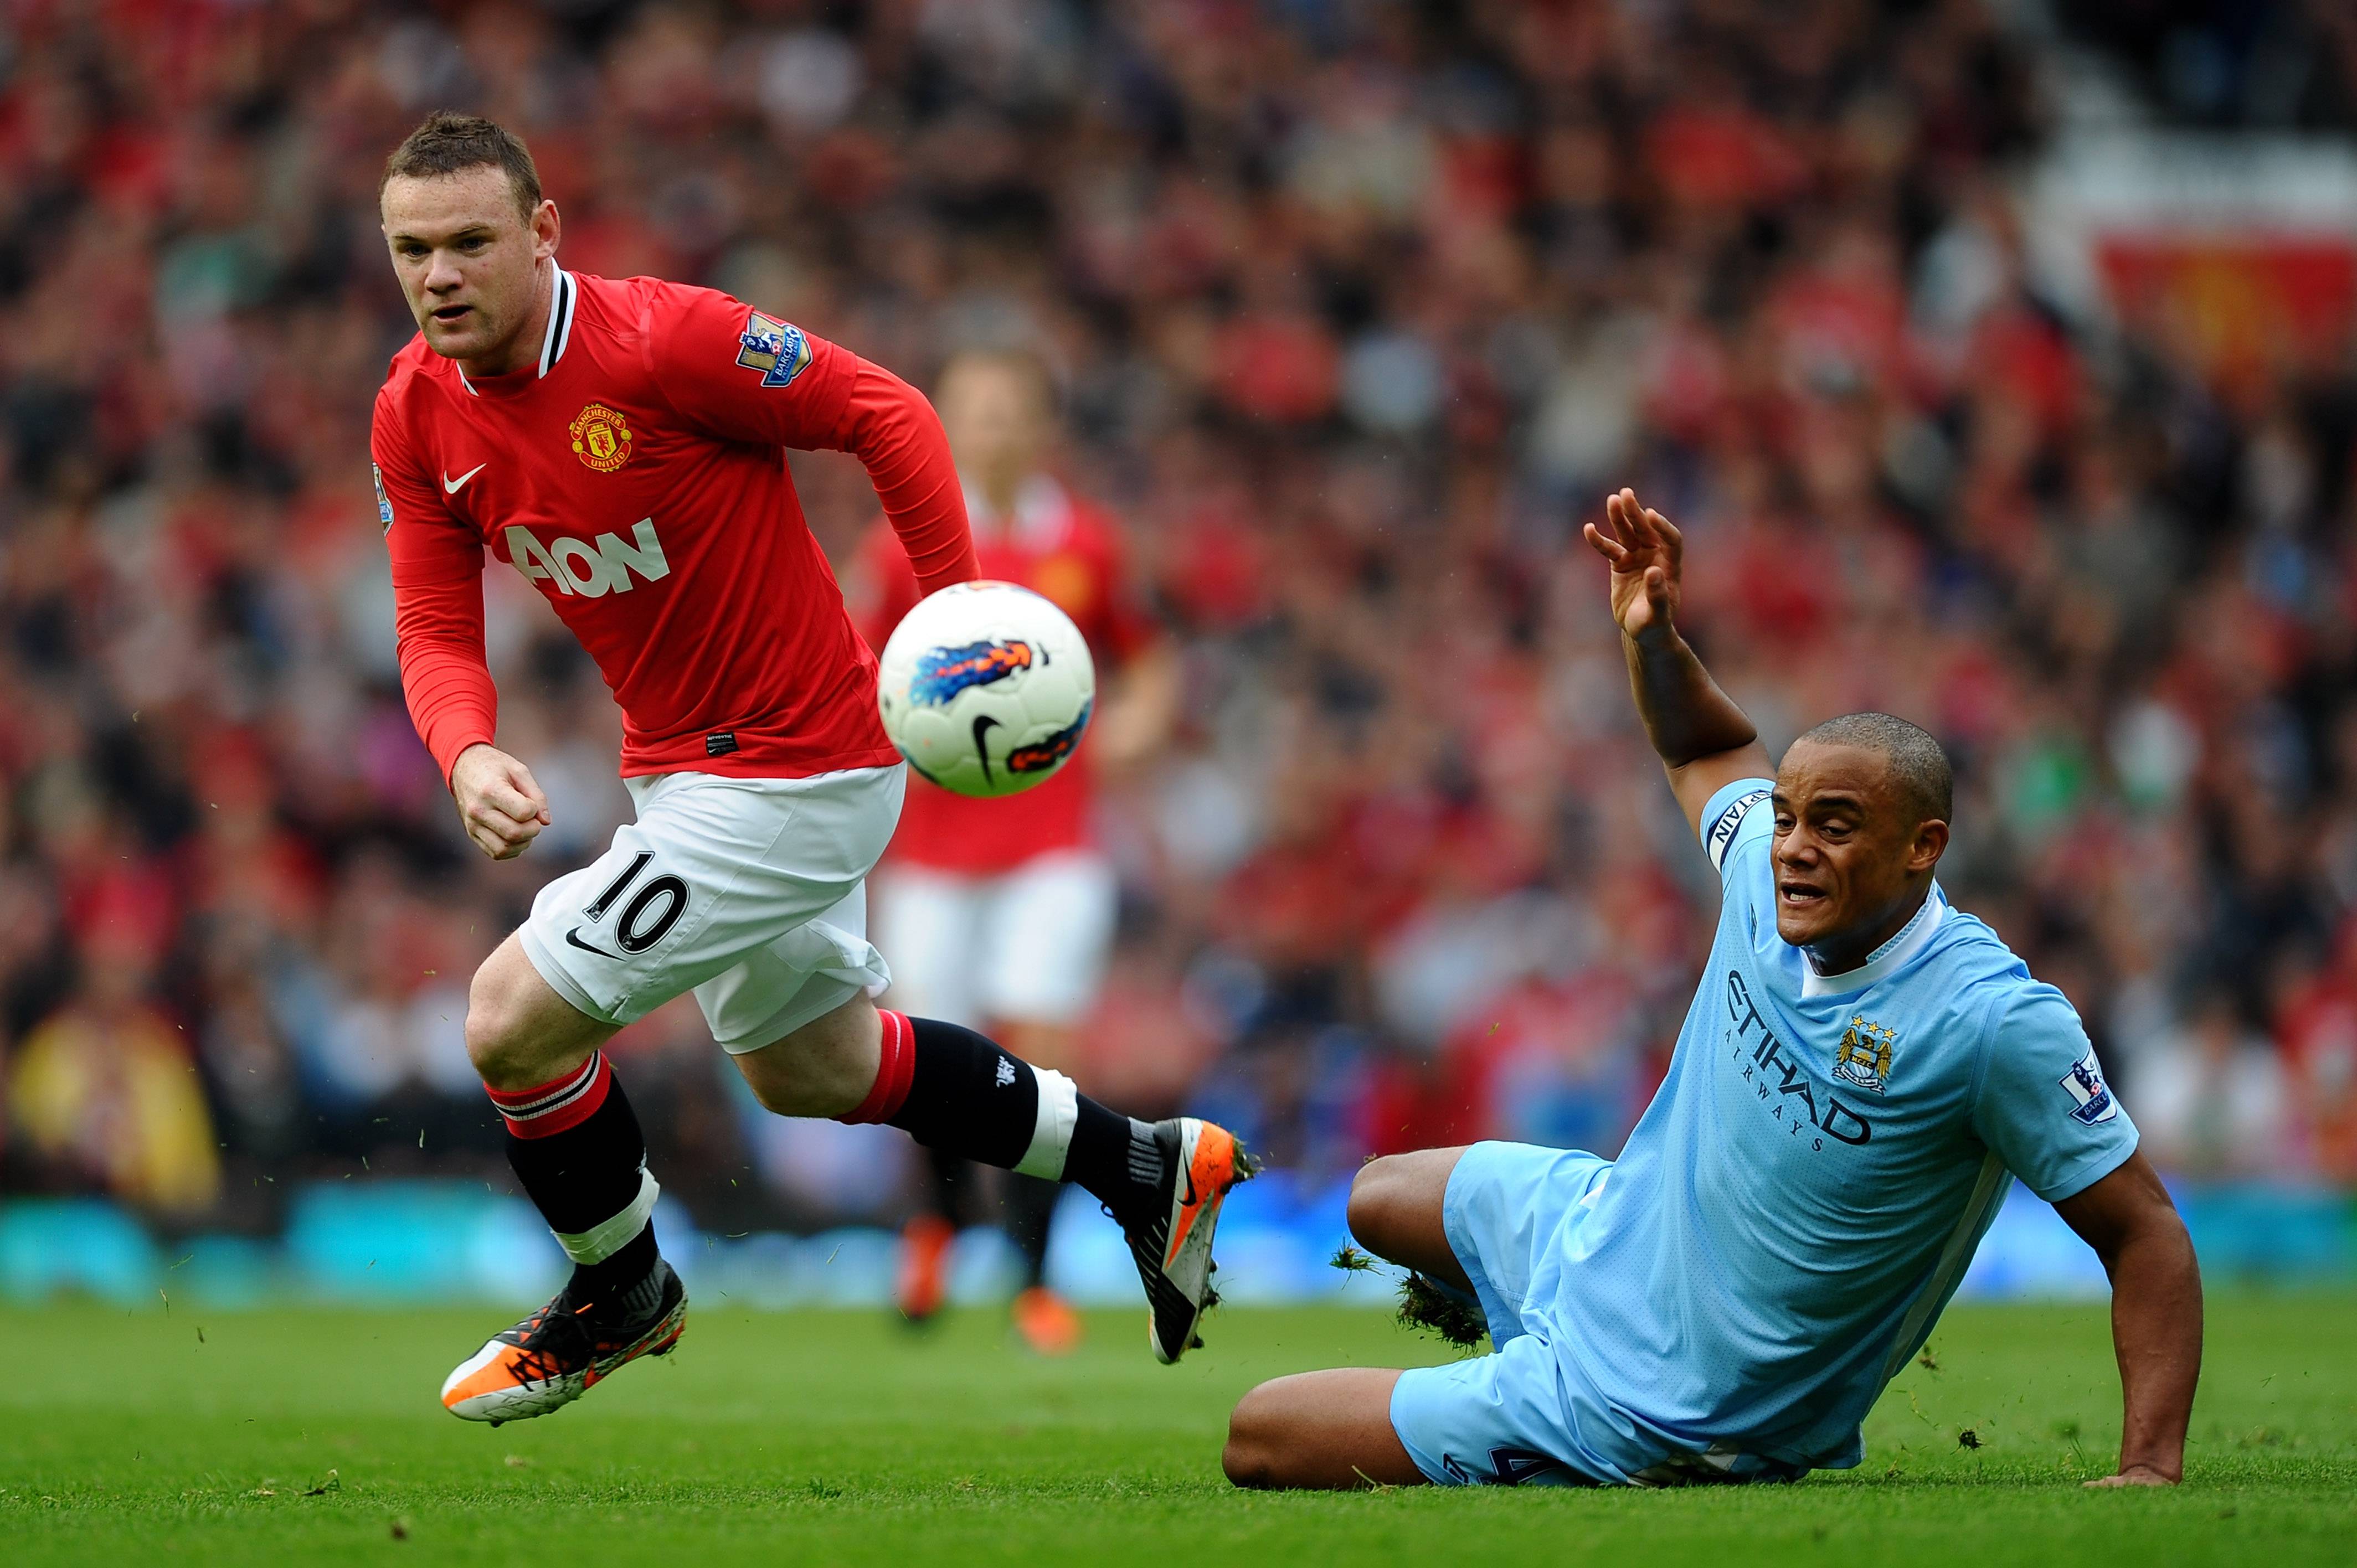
[(1863, 1059), (601, 438)]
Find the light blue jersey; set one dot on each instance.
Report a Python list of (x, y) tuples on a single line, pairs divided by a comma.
[(1789, 1217)]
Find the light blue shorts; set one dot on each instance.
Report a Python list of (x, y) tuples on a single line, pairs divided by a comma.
[(1519, 1416)]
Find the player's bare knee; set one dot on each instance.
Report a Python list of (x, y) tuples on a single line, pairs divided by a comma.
[(1249, 1457), (499, 1040), (791, 1094), (777, 1098), (825, 1067), (1375, 1197)]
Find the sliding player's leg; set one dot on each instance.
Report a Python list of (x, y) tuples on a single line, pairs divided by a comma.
[(576, 1146), (1494, 1420), (1484, 1225), (1396, 1212), (1331, 1431), (953, 1090)]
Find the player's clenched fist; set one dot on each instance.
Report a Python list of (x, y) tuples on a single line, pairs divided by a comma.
[(1645, 553), (501, 807)]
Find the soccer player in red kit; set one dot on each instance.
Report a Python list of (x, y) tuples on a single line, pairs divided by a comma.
[(999, 914), (618, 443)]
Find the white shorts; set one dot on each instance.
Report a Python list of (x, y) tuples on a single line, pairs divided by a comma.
[(749, 892), (1026, 946)]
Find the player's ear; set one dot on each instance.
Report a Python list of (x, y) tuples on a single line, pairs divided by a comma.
[(547, 229), (1931, 843)]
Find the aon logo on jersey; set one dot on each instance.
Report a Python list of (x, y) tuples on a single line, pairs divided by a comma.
[(590, 570)]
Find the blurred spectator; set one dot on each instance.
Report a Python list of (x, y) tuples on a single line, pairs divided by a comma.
[(106, 1097), (2213, 1099)]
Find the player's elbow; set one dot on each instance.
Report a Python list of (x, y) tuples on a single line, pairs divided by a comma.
[(2153, 1252), (886, 413)]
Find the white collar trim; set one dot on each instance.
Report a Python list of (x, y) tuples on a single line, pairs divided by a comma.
[(1892, 955), (563, 298)]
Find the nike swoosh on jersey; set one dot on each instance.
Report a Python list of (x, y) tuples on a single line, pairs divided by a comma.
[(574, 937), (451, 487)]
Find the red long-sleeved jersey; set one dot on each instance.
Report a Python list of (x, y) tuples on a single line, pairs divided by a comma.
[(634, 476)]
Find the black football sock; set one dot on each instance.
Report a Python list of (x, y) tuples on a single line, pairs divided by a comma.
[(1029, 1207), (953, 1090), (574, 1144), (1118, 1160), (949, 1179)]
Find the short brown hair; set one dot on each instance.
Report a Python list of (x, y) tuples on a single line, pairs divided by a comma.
[(447, 141)]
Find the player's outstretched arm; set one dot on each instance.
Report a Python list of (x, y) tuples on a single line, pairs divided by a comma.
[(2129, 1221), (1703, 740), (498, 802)]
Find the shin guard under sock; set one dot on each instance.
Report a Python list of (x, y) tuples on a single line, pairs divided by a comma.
[(574, 1144), (953, 1090)]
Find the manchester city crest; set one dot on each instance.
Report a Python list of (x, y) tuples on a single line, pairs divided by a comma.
[(1863, 1059)]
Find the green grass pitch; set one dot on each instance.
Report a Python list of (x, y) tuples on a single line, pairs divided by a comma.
[(811, 1437)]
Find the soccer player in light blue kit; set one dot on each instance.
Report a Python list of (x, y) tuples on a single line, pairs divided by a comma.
[(1864, 1070)]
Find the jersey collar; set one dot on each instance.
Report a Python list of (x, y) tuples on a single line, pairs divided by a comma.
[(559, 335), (1892, 955)]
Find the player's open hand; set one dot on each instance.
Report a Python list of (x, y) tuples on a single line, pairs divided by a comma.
[(499, 803), (1644, 552)]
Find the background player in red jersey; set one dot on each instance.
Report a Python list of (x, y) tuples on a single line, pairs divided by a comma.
[(618, 443), (999, 914)]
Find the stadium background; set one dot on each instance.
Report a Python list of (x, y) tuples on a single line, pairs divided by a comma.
[(1996, 355)]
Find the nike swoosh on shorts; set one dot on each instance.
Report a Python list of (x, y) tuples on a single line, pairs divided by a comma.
[(574, 937)]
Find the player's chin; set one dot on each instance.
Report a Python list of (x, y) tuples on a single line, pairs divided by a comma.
[(453, 336), (1805, 919)]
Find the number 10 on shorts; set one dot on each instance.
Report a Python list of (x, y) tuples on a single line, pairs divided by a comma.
[(651, 912)]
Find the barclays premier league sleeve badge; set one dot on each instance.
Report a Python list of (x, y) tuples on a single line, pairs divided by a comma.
[(2090, 1096), (778, 349), (383, 507)]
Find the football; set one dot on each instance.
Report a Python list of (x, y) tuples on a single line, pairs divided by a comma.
[(985, 688)]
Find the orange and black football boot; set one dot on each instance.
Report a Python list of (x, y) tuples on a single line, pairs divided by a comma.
[(922, 1283), (564, 1351), (1201, 1162)]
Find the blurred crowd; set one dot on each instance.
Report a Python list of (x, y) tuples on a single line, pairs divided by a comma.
[(1357, 308)]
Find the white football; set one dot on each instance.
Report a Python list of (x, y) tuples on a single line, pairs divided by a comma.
[(985, 688)]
